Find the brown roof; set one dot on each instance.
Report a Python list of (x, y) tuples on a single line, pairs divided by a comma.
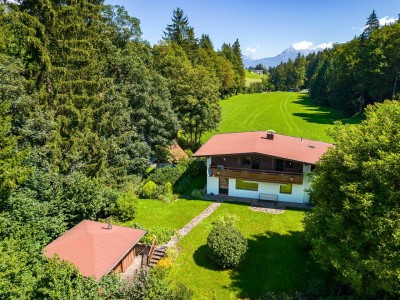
[(94, 249), (177, 152), (282, 146)]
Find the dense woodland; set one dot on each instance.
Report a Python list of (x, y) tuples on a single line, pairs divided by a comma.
[(350, 75), (84, 102)]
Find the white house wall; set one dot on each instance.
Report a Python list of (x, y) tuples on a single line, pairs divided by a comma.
[(212, 185), (297, 195)]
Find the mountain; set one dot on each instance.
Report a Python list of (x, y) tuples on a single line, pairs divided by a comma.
[(276, 60)]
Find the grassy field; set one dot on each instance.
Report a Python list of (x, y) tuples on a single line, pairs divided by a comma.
[(275, 260), (174, 215), (285, 112), (252, 77)]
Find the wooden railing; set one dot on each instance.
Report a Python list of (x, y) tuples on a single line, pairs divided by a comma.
[(257, 175), (151, 252)]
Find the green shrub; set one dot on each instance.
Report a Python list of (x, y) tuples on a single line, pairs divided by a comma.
[(126, 206), (168, 189), (226, 245), (182, 292), (149, 189), (197, 194), (172, 252)]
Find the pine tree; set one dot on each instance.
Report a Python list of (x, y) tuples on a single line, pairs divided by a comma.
[(371, 25)]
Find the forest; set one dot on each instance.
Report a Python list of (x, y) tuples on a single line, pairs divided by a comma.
[(351, 75), (84, 103)]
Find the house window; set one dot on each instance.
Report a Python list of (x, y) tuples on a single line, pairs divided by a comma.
[(246, 185), (246, 160), (279, 165), (288, 164), (255, 164), (285, 188)]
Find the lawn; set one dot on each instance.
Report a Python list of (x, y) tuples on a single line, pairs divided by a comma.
[(157, 214), (285, 112), (252, 77), (275, 260)]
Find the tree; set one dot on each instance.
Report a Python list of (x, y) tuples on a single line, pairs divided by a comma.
[(179, 31), (371, 25), (354, 226), (226, 245), (12, 89)]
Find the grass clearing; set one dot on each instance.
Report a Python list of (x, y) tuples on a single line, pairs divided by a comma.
[(275, 260), (252, 77), (285, 112), (174, 215)]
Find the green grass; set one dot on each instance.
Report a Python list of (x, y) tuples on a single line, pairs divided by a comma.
[(274, 262), (174, 215), (285, 112), (252, 77)]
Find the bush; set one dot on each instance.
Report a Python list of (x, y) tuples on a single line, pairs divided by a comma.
[(168, 189), (197, 194), (165, 262), (127, 204), (172, 252), (226, 245), (182, 292), (149, 189)]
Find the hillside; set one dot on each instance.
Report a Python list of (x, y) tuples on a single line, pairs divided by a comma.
[(285, 112), (252, 77)]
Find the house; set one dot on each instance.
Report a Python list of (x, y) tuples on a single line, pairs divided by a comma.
[(259, 72), (97, 249), (261, 165)]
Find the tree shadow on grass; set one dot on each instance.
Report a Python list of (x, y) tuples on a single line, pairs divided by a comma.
[(200, 257), (322, 115), (274, 263)]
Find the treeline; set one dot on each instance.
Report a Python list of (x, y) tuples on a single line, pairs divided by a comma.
[(84, 101), (350, 75)]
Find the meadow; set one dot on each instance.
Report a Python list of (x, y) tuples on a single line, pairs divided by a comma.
[(285, 112), (252, 77)]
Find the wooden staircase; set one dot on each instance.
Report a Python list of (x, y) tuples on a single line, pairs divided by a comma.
[(158, 253)]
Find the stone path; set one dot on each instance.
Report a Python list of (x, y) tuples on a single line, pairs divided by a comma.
[(189, 226)]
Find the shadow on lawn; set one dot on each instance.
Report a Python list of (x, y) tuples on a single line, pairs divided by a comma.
[(322, 115), (274, 263)]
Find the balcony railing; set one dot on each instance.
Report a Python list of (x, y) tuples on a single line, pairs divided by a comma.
[(257, 175)]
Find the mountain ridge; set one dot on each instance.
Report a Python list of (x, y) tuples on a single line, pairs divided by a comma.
[(276, 60)]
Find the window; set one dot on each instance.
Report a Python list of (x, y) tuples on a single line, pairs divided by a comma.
[(255, 164), (246, 160), (288, 164), (279, 165), (246, 185), (285, 188)]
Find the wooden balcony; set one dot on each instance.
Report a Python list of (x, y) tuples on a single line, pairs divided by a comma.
[(257, 175)]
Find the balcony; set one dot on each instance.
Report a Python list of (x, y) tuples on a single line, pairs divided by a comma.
[(257, 175)]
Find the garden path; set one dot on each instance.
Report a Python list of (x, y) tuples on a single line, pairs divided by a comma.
[(189, 226)]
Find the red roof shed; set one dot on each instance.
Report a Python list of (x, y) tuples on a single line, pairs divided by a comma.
[(94, 249)]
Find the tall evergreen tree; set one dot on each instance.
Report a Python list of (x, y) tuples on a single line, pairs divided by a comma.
[(371, 25)]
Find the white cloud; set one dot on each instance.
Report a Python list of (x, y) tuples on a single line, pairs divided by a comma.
[(325, 45), (249, 51), (303, 45), (386, 20)]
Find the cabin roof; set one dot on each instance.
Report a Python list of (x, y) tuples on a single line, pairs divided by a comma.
[(256, 142), (93, 248)]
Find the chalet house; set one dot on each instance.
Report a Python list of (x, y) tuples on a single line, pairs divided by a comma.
[(261, 165), (97, 249), (259, 72)]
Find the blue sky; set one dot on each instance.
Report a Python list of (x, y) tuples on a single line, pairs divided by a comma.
[(264, 28)]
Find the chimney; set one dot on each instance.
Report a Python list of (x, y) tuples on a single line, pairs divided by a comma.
[(270, 134), (109, 223)]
